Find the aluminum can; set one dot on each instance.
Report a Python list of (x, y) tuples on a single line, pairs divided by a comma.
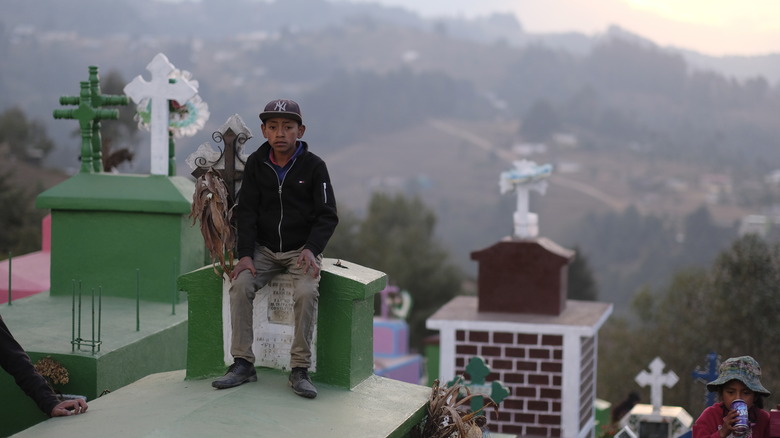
[(742, 424)]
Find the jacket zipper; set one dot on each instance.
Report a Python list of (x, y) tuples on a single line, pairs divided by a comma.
[(281, 204)]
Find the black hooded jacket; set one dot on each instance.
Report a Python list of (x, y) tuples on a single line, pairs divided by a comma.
[(297, 212)]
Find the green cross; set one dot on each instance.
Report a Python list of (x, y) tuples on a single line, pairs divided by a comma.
[(89, 114), (478, 371)]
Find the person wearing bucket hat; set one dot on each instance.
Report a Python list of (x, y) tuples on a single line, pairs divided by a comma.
[(738, 379), (285, 215)]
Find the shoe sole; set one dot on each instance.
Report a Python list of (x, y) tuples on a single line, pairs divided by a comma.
[(223, 386)]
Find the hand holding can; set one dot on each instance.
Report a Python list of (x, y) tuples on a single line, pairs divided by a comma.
[(742, 424)]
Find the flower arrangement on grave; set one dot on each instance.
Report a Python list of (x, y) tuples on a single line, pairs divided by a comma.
[(54, 372), (449, 414), (184, 119)]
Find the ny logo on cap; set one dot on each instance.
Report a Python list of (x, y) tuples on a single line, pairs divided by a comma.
[(281, 105)]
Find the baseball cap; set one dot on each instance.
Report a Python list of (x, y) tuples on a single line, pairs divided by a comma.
[(284, 108), (743, 368)]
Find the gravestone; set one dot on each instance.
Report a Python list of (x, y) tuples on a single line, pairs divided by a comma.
[(656, 420)]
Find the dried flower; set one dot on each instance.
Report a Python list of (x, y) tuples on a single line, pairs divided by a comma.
[(52, 370)]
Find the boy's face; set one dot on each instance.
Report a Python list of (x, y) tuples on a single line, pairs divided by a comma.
[(282, 134)]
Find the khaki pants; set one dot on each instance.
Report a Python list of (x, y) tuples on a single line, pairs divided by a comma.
[(305, 297)]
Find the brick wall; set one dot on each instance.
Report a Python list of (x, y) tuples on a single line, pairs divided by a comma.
[(531, 366)]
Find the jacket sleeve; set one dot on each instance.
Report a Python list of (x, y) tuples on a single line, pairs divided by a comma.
[(247, 210), (326, 216), (17, 363), (708, 423)]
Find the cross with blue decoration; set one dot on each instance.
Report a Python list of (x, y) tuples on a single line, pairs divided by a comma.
[(708, 375)]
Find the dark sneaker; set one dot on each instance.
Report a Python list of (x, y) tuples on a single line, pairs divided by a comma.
[(241, 371), (301, 383)]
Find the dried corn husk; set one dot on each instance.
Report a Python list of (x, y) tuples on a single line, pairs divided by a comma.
[(211, 204)]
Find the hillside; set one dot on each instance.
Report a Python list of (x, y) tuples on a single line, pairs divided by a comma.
[(438, 109)]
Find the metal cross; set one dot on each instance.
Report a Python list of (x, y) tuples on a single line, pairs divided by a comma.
[(656, 380), (89, 114), (160, 91)]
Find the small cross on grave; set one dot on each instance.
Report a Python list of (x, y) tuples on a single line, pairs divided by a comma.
[(478, 371), (228, 162), (89, 114), (526, 176), (708, 375), (656, 380), (160, 90)]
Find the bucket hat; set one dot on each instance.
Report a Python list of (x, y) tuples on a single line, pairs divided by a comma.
[(743, 368)]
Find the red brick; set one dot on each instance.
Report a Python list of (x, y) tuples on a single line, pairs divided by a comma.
[(550, 419), (557, 354), (538, 353), (514, 352), (555, 432), (525, 418), (538, 405), (466, 349), (460, 362), (550, 393), (460, 335), (479, 337), (536, 431), (538, 379), (556, 340), (552, 367), (511, 429), (557, 380), (513, 403), (522, 365), (525, 391), (502, 364), (527, 339), (504, 417), (503, 338), (510, 378), (489, 351)]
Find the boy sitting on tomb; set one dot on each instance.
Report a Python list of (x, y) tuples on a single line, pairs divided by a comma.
[(286, 213)]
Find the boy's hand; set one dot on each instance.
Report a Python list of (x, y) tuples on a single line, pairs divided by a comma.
[(309, 262), (243, 264)]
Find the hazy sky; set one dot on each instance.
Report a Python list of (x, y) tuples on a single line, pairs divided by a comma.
[(714, 27)]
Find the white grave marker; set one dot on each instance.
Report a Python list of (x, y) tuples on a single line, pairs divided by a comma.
[(656, 379), (160, 91)]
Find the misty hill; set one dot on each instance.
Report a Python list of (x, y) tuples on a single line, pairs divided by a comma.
[(438, 108)]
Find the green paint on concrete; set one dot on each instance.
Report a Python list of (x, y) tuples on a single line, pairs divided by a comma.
[(344, 323), (168, 405), (123, 233), (205, 357), (120, 192), (43, 326)]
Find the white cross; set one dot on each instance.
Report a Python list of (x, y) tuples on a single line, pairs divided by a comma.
[(160, 91), (656, 380)]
